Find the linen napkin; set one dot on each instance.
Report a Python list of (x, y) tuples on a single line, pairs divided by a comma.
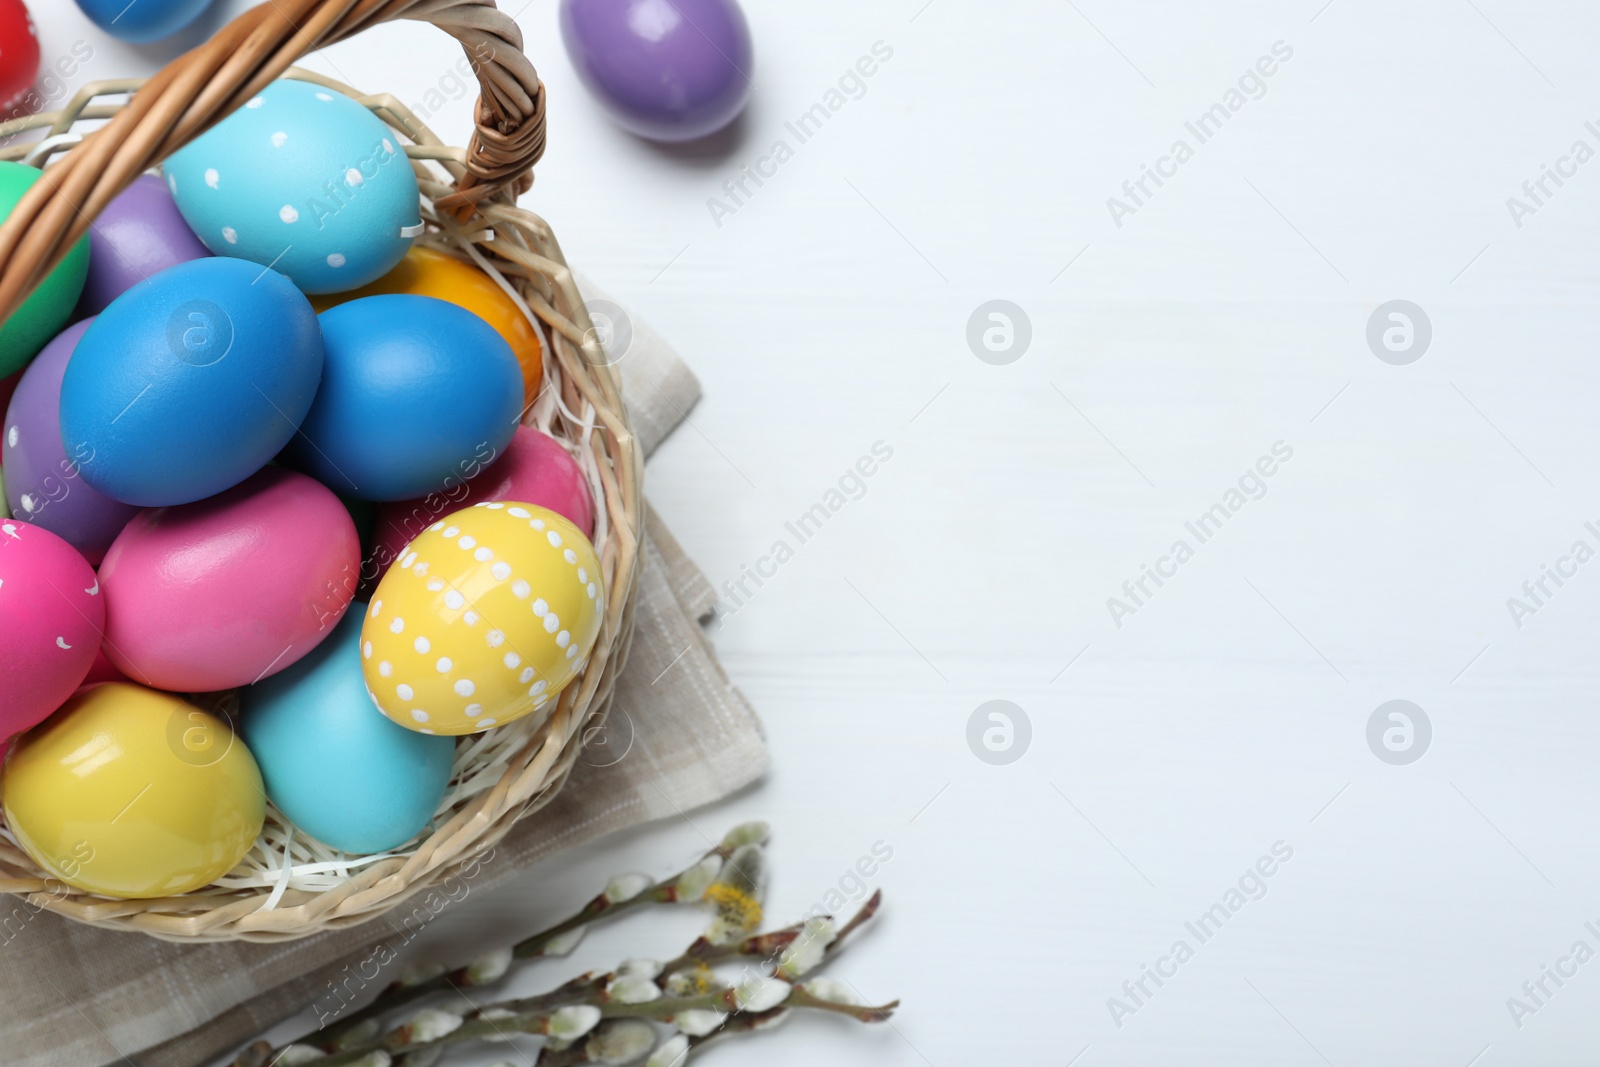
[(73, 995)]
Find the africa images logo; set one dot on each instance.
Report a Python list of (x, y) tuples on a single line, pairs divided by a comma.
[(199, 332), (1252, 885), (1251, 85)]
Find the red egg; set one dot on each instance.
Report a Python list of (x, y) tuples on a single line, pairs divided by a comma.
[(228, 590), (51, 617), (19, 55), (535, 469)]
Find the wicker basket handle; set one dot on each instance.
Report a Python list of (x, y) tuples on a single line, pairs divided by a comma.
[(203, 86)]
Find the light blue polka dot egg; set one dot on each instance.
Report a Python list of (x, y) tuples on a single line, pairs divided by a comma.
[(304, 180)]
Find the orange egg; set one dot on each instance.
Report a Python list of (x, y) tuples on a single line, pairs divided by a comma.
[(428, 272)]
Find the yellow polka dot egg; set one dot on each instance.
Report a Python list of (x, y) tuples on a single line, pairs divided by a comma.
[(483, 618)]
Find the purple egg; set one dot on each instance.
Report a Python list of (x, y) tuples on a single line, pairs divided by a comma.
[(42, 486), (670, 70), (140, 233)]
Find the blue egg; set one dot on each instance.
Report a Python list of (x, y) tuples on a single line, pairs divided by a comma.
[(332, 762), (190, 382), (417, 396), (304, 179), (145, 21)]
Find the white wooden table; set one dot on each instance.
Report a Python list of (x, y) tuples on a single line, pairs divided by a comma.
[(1227, 715)]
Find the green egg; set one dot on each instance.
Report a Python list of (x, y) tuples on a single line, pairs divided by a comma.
[(5, 510), (45, 312)]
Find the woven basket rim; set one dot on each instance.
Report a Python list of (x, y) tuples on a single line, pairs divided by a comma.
[(580, 404)]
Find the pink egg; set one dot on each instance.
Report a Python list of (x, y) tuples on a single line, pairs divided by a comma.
[(228, 590), (51, 616), (534, 469)]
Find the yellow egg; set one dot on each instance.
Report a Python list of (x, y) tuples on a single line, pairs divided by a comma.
[(130, 792), (483, 618)]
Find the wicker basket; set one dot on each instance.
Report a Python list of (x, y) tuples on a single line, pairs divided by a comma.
[(290, 887)]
